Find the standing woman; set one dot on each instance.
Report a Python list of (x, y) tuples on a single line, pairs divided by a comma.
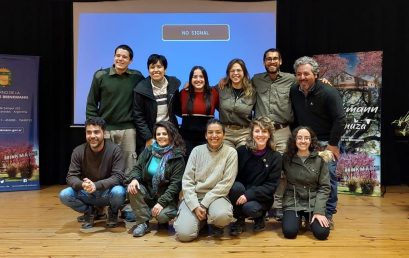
[(308, 185), (236, 101), (198, 103), (258, 175), (155, 99), (155, 181)]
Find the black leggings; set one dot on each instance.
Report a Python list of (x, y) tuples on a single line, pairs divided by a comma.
[(291, 225), (252, 209)]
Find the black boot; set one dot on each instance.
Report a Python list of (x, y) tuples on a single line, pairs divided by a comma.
[(259, 224), (112, 221), (88, 218), (216, 231), (236, 228), (99, 214)]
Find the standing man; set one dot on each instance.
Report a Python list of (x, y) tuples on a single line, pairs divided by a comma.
[(111, 97), (95, 176), (319, 106), (273, 101)]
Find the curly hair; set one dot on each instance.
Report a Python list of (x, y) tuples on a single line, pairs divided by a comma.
[(263, 123), (307, 60), (175, 138), (291, 144), (98, 121)]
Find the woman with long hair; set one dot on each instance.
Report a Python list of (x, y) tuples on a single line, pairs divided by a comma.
[(155, 181), (197, 104), (237, 98), (308, 185)]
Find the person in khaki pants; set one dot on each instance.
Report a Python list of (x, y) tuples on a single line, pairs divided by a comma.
[(210, 173), (273, 101)]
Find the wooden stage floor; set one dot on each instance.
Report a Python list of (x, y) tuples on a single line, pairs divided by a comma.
[(36, 224)]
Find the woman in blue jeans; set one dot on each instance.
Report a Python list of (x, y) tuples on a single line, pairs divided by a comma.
[(308, 185)]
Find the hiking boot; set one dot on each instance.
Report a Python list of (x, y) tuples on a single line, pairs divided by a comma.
[(88, 218), (99, 214), (141, 230), (112, 221), (236, 228), (304, 223), (163, 226), (217, 232), (331, 223), (259, 224), (277, 214)]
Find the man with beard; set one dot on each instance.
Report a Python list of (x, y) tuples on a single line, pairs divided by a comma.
[(110, 97), (319, 106), (273, 101), (95, 176)]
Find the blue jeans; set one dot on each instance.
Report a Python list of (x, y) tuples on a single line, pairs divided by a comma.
[(332, 169), (333, 196), (81, 200)]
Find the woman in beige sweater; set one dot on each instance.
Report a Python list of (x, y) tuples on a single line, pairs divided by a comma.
[(210, 172)]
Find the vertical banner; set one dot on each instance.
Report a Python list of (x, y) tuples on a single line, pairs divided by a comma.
[(358, 77), (19, 156)]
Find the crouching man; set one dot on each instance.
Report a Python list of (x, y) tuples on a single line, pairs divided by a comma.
[(95, 176)]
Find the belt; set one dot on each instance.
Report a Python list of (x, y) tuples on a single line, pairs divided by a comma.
[(279, 126), (236, 127)]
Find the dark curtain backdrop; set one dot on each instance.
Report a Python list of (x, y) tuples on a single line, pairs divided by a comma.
[(305, 27)]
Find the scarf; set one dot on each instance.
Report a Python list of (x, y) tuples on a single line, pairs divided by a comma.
[(164, 153)]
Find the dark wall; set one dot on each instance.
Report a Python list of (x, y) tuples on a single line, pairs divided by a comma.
[(305, 27), (324, 27)]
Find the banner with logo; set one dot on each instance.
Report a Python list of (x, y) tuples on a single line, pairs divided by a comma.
[(358, 77), (19, 166)]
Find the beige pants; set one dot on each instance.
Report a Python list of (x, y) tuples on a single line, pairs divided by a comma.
[(236, 137), (126, 139), (281, 138), (187, 225)]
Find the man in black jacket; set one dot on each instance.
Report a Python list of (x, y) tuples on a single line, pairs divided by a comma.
[(319, 106)]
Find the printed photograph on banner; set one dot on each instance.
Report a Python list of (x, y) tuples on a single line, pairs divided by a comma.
[(358, 77), (19, 149)]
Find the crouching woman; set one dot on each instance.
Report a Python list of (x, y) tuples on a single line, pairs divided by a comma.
[(209, 175), (155, 181), (308, 185)]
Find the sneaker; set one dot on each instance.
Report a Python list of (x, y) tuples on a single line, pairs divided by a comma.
[(259, 224), (217, 232), (88, 218), (112, 220), (141, 230), (99, 214), (236, 228)]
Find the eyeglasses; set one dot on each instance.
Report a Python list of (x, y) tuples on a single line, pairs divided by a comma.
[(305, 138), (271, 59)]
